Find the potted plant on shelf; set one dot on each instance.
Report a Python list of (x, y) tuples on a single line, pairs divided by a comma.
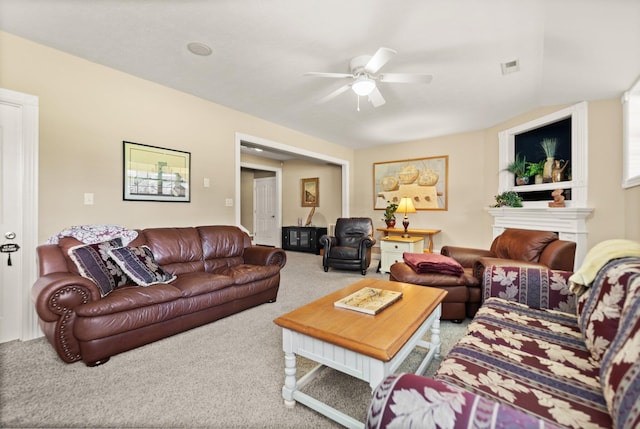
[(536, 169), (390, 214), (519, 168), (508, 199)]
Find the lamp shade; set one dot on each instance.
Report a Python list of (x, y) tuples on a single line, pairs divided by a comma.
[(363, 86), (406, 206)]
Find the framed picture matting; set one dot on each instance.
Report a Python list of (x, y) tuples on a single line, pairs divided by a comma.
[(152, 173)]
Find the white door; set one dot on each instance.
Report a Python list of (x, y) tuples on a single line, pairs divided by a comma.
[(18, 146), (265, 211)]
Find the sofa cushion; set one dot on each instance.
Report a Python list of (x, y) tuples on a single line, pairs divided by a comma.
[(94, 263), (129, 298), (140, 266), (522, 244), (600, 307), (177, 250), (197, 283), (534, 360), (244, 273), (620, 372), (536, 287)]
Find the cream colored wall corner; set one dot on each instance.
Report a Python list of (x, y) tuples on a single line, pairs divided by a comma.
[(473, 179), (87, 110)]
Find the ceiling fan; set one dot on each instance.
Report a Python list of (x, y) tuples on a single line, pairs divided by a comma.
[(364, 69)]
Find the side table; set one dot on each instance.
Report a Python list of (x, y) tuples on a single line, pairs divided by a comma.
[(429, 233), (393, 246)]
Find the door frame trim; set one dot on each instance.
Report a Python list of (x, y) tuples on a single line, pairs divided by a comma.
[(29, 106)]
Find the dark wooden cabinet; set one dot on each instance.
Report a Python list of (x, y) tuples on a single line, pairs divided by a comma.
[(302, 238)]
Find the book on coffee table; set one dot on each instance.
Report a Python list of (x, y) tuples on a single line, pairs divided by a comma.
[(369, 300)]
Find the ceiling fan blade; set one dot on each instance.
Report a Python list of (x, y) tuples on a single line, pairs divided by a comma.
[(379, 59), (405, 77), (333, 75), (376, 98), (334, 94)]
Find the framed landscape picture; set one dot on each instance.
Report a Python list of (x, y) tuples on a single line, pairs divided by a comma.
[(153, 173), (424, 180), (310, 192)]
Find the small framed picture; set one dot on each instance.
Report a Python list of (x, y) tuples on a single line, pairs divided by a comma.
[(310, 192), (153, 173)]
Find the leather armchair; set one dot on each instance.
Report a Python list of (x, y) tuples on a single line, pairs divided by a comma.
[(514, 247), (350, 248)]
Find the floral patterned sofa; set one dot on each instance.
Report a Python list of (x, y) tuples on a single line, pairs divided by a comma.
[(534, 356)]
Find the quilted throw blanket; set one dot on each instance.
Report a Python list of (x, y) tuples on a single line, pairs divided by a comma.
[(92, 234), (423, 263)]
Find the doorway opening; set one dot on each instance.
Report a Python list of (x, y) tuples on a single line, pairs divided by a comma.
[(272, 148)]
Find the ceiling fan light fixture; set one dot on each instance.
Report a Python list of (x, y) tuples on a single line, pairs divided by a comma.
[(363, 86)]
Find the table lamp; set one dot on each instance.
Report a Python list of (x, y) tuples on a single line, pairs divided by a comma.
[(406, 206)]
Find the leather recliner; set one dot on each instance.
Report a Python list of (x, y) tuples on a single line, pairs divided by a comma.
[(350, 248)]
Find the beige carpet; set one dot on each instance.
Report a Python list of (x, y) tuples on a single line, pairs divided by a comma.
[(227, 374)]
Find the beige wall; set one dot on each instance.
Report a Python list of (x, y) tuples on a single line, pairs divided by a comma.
[(87, 110), (473, 180), (330, 192)]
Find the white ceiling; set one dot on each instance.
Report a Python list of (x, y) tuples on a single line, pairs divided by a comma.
[(569, 51)]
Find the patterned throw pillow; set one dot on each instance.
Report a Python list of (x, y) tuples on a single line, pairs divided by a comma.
[(94, 263), (139, 264)]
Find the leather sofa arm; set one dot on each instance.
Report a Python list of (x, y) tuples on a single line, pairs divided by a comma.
[(327, 241), (559, 255), (409, 400), (464, 255), (367, 242), (57, 293), (261, 255)]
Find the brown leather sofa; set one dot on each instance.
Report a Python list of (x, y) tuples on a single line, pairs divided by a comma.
[(513, 247), (218, 273)]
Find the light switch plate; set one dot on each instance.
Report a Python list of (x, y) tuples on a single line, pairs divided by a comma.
[(88, 199), (229, 202)]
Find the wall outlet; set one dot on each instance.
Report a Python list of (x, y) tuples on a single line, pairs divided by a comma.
[(88, 199), (206, 182), (228, 202)]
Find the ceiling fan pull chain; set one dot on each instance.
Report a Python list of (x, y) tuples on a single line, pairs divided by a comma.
[(358, 97)]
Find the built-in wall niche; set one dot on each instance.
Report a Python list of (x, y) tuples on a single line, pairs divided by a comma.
[(569, 128)]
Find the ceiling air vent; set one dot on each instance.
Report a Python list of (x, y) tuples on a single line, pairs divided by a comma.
[(510, 67)]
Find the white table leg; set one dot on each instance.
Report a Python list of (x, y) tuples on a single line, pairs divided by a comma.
[(435, 336), (289, 379)]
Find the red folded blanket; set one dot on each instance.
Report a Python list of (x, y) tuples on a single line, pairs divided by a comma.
[(423, 263)]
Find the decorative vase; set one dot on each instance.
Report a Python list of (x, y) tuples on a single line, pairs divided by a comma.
[(547, 172), (390, 223), (522, 180)]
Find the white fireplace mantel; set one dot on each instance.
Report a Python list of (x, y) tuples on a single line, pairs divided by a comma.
[(568, 222)]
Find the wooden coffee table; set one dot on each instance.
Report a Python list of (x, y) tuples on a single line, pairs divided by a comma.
[(361, 345)]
